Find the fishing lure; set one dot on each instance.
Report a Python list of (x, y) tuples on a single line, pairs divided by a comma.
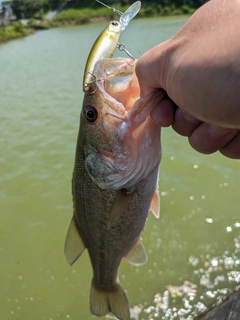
[(106, 44)]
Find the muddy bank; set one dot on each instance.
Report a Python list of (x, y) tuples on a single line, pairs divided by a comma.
[(229, 309)]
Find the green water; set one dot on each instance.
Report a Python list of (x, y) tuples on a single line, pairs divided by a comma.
[(193, 249)]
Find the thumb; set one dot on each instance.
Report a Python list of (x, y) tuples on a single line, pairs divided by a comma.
[(150, 69)]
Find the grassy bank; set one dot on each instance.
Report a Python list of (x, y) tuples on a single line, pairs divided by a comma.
[(82, 16), (76, 15), (14, 31)]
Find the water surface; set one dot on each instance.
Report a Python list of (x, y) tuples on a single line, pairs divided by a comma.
[(193, 249)]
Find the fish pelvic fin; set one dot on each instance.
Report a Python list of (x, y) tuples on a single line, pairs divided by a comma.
[(137, 255), (155, 204), (118, 206), (115, 301), (74, 245)]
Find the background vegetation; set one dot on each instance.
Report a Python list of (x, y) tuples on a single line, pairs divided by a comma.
[(16, 30), (83, 11)]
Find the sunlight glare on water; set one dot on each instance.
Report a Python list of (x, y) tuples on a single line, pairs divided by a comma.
[(193, 249)]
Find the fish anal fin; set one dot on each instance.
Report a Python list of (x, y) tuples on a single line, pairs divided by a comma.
[(118, 206), (155, 204), (137, 255), (115, 301), (74, 245)]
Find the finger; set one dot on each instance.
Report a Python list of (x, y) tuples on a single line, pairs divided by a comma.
[(163, 114), (232, 148), (184, 124), (144, 73), (208, 138), (150, 68)]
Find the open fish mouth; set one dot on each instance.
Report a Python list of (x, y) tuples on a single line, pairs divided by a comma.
[(119, 82)]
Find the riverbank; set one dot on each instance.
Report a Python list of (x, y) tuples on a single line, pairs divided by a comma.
[(23, 28), (14, 31), (74, 15)]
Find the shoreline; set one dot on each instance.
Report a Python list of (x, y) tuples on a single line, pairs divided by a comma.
[(72, 14), (20, 30)]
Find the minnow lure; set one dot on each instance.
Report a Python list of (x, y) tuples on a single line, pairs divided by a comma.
[(106, 44)]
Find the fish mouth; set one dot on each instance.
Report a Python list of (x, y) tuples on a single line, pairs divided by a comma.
[(120, 83)]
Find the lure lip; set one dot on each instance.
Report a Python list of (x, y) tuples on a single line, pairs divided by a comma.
[(131, 11), (129, 14)]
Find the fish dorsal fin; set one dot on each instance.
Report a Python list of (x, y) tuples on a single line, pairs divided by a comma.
[(137, 255), (155, 204), (74, 245), (118, 206)]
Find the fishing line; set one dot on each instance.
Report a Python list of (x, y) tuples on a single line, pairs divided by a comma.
[(113, 9)]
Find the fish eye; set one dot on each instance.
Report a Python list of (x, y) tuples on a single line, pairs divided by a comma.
[(114, 23), (90, 113)]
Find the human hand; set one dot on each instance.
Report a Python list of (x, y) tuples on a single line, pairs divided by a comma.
[(199, 68), (203, 137)]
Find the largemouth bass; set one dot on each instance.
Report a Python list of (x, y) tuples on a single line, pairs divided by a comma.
[(114, 181)]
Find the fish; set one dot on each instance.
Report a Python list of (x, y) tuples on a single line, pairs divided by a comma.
[(115, 181)]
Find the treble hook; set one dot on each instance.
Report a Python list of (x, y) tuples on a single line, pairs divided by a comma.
[(121, 47), (88, 86)]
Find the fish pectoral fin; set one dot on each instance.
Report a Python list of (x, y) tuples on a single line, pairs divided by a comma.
[(119, 204), (137, 255), (74, 245), (115, 301), (155, 204)]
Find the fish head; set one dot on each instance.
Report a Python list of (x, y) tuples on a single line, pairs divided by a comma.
[(120, 141)]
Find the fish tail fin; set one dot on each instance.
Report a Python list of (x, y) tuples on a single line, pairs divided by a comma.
[(115, 301)]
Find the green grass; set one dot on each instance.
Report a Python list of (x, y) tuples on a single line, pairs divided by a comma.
[(83, 15), (79, 15), (16, 30)]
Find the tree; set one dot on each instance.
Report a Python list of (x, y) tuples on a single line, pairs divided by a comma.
[(25, 9)]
